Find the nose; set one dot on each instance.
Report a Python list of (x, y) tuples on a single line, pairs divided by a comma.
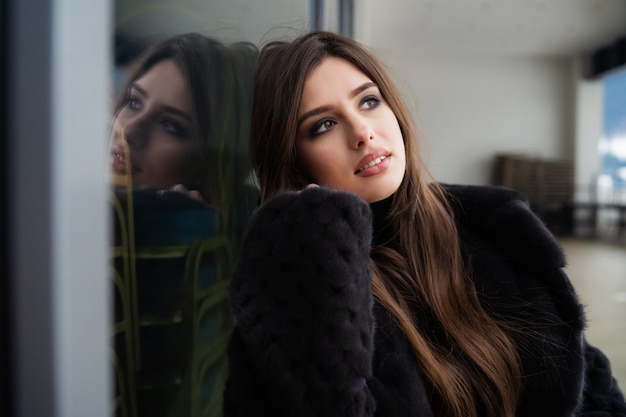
[(362, 133), (134, 131)]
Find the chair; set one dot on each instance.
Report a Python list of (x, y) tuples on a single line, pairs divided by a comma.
[(212, 322), (171, 271), (123, 328)]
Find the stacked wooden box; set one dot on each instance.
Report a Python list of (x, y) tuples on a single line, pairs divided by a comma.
[(547, 183)]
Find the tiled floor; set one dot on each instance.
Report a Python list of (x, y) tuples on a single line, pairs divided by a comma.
[(598, 272)]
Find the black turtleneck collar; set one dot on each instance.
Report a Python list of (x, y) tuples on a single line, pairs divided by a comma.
[(383, 232)]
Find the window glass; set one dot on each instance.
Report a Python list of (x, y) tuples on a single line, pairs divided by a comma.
[(181, 191), (613, 143)]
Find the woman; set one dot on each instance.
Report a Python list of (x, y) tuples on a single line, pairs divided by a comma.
[(182, 120), (377, 292)]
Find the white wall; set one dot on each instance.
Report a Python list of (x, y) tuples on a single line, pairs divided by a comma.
[(470, 108)]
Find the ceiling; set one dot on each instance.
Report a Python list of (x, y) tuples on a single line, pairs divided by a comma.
[(539, 27), (502, 27)]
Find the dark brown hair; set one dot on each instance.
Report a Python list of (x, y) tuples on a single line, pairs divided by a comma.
[(476, 365)]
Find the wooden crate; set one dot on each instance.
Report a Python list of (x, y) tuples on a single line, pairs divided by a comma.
[(547, 184)]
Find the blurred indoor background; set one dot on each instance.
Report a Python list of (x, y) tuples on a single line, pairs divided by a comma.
[(528, 94)]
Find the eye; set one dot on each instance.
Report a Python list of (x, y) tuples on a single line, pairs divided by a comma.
[(133, 102), (322, 126), (370, 102), (172, 127)]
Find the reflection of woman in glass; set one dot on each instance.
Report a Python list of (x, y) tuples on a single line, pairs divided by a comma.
[(182, 118), (381, 293), (181, 124), (155, 120)]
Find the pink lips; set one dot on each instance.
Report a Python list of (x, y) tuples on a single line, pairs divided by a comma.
[(119, 162), (373, 163)]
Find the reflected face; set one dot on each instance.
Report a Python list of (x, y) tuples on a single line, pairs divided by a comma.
[(348, 137), (155, 121)]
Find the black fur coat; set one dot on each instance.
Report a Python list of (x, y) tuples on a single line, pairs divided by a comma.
[(311, 341)]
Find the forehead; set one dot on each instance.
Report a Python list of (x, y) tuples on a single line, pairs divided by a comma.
[(333, 77), (164, 82)]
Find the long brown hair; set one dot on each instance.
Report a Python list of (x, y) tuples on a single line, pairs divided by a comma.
[(219, 82), (476, 365)]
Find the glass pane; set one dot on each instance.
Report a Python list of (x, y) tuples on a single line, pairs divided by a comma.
[(613, 143), (181, 191)]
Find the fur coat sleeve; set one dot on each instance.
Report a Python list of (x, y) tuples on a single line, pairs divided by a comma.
[(301, 294), (518, 269)]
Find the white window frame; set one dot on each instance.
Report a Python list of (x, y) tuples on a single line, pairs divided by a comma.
[(58, 71)]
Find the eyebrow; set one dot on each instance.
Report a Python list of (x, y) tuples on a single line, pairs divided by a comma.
[(322, 109), (168, 109)]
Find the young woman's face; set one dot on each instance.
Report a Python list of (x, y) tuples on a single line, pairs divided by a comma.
[(348, 138), (155, 120)]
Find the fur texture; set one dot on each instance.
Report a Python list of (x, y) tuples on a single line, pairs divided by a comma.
[(305, 343)]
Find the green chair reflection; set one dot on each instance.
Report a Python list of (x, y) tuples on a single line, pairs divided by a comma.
[(171, 272)]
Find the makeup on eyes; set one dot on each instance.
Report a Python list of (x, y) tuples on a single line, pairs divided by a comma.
[(321, 109), (314, 130)]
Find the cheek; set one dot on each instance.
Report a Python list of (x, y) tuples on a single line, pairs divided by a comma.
[(316, 162), (398, 140), (171, 156), (173, 160)]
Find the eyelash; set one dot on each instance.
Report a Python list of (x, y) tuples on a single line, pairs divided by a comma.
[(375, 99), (315, 129), (175, 129), (132, 101)]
